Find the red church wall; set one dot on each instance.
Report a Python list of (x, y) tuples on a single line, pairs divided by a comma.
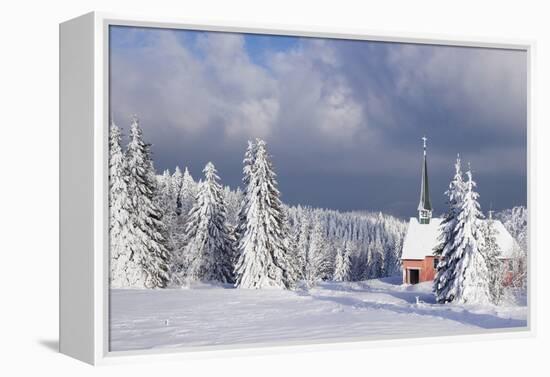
[(425, 267), (427, 271)]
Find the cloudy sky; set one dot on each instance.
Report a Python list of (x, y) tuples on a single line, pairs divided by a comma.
[(342, 119)]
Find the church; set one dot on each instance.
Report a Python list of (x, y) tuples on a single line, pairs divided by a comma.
[(417, 259)]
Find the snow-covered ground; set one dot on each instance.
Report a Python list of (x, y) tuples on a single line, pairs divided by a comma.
[(216, 315)]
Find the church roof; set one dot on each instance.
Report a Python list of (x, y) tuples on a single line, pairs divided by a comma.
[(421, 239)]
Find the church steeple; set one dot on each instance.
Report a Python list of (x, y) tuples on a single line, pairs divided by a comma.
[(424, 206)]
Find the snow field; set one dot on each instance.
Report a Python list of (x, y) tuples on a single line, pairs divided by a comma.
[(206, 315)]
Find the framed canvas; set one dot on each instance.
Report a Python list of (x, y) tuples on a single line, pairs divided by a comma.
[(228, 189)]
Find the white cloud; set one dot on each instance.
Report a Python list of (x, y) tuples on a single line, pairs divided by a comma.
[(319, 97), (168, 84)]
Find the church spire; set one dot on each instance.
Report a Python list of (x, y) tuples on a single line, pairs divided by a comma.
[(424, 206)]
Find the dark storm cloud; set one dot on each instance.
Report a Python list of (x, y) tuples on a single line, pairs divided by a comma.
[(343, 119)]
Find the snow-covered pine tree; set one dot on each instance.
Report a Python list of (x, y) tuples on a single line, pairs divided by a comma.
[(166, 201), (447, 245), (176, 182), (375, 267), (187, 199), (188, 193), (361, 229), (248, 166), (470, 276), (210, 246), (376, 250), (491, 252), (291, 247), (343, 263), (302, 241), (124, 269), (320, 259), (233, 201), (149, 244), (391, 257), (515, 222), (263, 258)]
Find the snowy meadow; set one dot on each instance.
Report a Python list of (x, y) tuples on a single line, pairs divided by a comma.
[(194, 262), (206, 314)]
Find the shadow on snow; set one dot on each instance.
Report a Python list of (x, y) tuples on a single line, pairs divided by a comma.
[(454, 313)]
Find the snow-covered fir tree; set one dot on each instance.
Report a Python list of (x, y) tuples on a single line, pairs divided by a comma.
[(320, 256), (342, 263), (263, 258), (444, 251), (125, 270), (491, 251), (176, 182), (166, 201), (291, 247), (302, 233), (469, 281), (210, 246), (515, 221), (248, 162), (149, 247), (233, 201), (188, 193), (375, 260), (360, 229), (392, 259), (186, 198)]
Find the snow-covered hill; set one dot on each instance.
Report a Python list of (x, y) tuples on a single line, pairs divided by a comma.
[(218, 315)]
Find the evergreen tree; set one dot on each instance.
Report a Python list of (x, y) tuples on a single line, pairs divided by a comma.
[(188, 193), (291, 247), (263, 257), (391, 257), (233, 201), (469, 278), (166, 201), (176, 182), (124, 269), (491, 252), (210, 247), (375, 260), (320, 261), (187, 199), (342, 264), (302, 243), (149, 243), (248, 166), (447, 246)]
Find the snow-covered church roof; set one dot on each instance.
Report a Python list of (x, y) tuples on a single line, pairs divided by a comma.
[(421, 239)]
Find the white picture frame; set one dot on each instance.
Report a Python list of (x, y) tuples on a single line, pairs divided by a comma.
[(84, 82)]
